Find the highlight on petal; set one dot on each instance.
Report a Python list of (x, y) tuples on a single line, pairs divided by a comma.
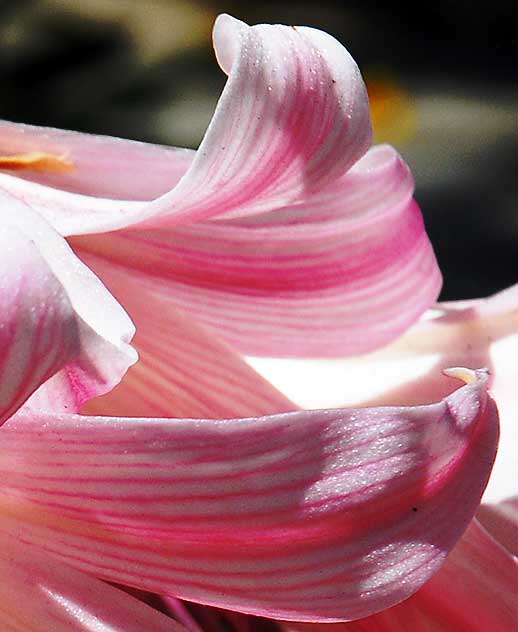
[(314, 515), (41, 594), (59, 320), (474, 333), (183, 370), (477, 586), (347, 270), (474, 590), (292, 118)]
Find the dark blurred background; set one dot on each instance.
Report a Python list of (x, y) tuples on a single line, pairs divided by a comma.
[(442, 81)]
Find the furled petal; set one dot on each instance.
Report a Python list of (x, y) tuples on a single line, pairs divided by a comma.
[(183, 369), (466, 333), (38, 594), (292, 118), (314, 515), (501, 520), (475, 591), (344, 272), (58, 315)]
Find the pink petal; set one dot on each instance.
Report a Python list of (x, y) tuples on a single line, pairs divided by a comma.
[(477, 587), (100, 166), (318, 515), (58, 315), (38, 329), (43, 595), (183, 370), (501, 520), (57, 318), (475, 591), (347, 271), (473, 333), (292, 118)]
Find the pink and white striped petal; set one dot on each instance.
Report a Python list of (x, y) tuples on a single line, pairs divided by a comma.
[(292, 118), (315, 515), (183, 370), (346, 271), (88, 164), (474, 591), (475, 333), (39, 333), (40, 594), (60, 321)]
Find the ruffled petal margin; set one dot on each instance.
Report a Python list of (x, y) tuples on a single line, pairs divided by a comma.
[(314, 515)]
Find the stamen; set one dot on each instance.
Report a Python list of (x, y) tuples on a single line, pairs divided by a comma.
[(37, 161)]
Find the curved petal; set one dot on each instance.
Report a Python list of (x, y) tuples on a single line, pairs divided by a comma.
[(43, 595), (314, 515), (466, 333), (486, 599), (38, 328), (344, 272), (475, 590), (60, 321), (183, 369), (292, 118)]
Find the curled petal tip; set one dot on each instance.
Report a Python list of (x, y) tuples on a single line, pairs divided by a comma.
[(469, 376)]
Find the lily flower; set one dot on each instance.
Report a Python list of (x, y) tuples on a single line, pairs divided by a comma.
[(283, 234)]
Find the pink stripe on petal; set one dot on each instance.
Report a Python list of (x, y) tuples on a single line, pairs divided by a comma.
[(101, 166), (40, 594), (292, 118), (477, 586), (345, 271), (38, 329), (474, 591), (183, 370), (315, 515), (475, 333), (61, 327)]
